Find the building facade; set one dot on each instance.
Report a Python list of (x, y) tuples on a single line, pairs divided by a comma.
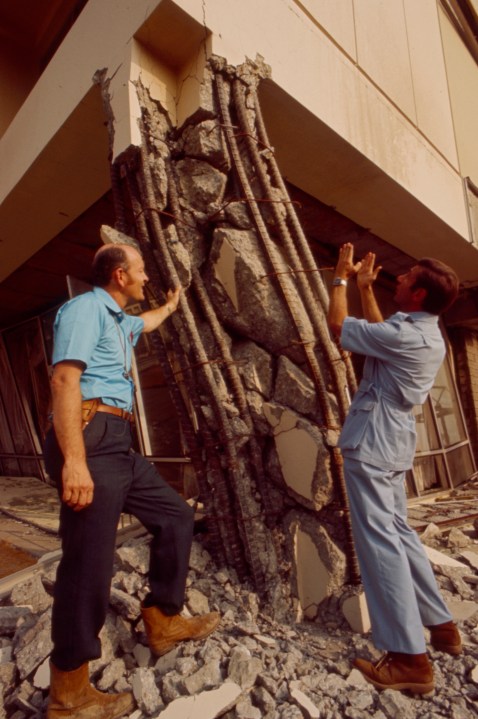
[(369, 107)]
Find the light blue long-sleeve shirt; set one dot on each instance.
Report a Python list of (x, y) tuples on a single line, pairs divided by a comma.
[(404, 354), (93, 329)]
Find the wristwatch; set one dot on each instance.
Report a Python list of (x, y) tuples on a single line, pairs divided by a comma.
[(337, 281)]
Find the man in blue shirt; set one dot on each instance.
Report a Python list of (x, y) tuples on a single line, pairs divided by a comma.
[(403, 355), (88, 453)]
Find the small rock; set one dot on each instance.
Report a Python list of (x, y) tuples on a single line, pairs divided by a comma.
[(307, 706), (206, 677), (197, 602), (32, 593), (243, 668), (142, 655), (474, 674), (431, 532), (458, 539), (146, 692), (135, 558)]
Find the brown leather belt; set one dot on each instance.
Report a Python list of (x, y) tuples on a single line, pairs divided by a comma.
[(91, 406), (117, 411)]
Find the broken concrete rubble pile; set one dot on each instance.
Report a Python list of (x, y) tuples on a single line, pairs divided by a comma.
[(252, 667)]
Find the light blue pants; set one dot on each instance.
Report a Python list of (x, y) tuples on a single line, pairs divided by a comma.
[(400, 587)]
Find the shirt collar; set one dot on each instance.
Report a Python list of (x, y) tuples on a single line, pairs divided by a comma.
[(107, 300), (417, 317)]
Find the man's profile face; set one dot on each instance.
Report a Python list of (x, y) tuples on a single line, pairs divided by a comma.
[(404, 294), (135, 276)]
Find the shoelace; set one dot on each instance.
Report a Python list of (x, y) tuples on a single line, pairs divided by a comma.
[(386, 659)]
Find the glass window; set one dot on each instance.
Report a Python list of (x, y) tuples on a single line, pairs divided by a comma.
[(427, 436), (429, 474), (460, 464), (440, 427), (446, 408)]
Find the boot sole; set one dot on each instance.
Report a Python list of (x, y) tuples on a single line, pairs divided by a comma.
[(124, 709), (401, 686), (453, 649)]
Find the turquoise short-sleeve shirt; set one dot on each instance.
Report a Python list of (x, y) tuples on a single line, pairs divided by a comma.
[(93, 329), (403, 356)]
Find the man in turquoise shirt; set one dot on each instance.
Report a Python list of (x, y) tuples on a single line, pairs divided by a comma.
[(403, 355), (88, 453)]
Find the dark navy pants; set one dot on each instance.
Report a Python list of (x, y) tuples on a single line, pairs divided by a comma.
[(124, 482)]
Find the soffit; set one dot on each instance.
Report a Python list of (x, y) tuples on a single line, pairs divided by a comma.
[(38, 27), (40, 282)]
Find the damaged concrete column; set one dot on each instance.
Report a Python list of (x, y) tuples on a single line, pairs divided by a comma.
[(262, 391)]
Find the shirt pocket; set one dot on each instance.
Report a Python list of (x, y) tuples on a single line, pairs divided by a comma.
[(359, 418), (400, 435)]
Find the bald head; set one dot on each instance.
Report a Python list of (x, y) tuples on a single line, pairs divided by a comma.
[(108, 258)]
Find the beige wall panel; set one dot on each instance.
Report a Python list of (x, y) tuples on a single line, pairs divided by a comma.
[(430, 85), (336, 18), (308, 67), (334, 90), (382, 50), (463, 86), (156, 77)]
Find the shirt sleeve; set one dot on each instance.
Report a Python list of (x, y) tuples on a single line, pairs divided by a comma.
[(136, 327), (76, 330), (382, 340)]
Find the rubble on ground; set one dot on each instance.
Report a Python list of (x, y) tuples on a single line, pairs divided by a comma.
[(252, 667)]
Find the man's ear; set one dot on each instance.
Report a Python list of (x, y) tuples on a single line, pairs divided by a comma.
[(117, 276), (419, 295)]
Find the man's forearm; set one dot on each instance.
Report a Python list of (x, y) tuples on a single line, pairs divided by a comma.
[(154, 318), (370, 308), (67, 420), (338, 309)]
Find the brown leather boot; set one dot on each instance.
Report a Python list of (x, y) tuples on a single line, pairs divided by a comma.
[(446, 638), (164, 632), (399, 671), (72, 696)]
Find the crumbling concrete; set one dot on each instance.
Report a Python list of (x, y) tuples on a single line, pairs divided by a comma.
[(252, 666)]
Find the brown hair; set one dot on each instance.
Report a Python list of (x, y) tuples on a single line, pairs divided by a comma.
[(440, 282), (107, 259)]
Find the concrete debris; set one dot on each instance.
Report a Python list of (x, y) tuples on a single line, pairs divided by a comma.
[(471, 557), (252, 667), (458, 539), (11, 618), (431, 532)]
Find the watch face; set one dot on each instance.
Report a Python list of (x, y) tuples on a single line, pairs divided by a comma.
[(337, 281)]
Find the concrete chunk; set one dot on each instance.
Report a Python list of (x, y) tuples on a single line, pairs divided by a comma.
[(9, 618), (207, 676), (206, 705), (441, 559), (307, 706), (34, 645), (146, 692)]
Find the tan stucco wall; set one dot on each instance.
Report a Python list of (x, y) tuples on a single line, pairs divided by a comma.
[(463, 83), (368, 85)]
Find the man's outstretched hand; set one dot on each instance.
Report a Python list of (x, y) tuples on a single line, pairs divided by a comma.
[(367, 272), (346, 268)]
